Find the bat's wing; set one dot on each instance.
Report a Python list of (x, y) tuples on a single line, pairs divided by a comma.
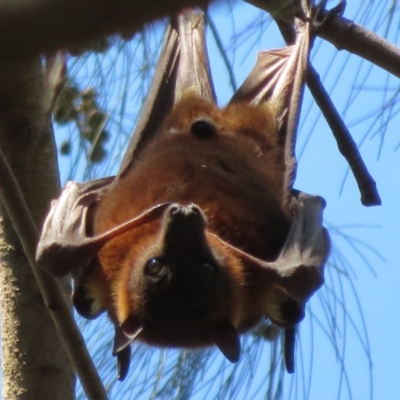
[(65, 244), (183, 65), (298, 271), (60, 247), (279, 77), (300, 264)]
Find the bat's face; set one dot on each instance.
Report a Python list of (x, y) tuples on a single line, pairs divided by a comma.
[(180, 291)]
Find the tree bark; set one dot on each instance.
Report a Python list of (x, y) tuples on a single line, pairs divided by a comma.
[(35, 364)]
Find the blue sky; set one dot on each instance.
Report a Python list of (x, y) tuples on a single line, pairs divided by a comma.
[(372, 271)]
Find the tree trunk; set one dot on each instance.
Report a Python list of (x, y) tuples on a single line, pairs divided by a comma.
[(35, 364)]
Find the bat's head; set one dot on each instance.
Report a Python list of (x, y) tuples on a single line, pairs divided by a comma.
[(181, 291)]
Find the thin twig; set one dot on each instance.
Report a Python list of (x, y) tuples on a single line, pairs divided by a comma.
[(53, 297)]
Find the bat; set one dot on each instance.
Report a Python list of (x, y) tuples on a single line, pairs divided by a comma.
[(181, 285), (200, 235)]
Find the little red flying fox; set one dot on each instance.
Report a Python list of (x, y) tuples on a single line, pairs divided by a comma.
[(176, 281), (200, 235)]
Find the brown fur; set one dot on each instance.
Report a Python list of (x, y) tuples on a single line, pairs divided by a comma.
[(236, 178)]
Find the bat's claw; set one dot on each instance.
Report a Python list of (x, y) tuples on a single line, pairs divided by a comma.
[(126, 333), (321, 15), (339, 8)]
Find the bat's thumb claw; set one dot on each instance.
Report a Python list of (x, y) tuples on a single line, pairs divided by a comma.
[(126, 334)]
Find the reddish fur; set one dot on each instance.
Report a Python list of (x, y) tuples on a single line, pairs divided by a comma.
[(236, 178)]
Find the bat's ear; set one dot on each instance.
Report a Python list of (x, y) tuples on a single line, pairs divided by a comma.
[(227, 340), (90, 295), (289, 348), (281, 308), (123, 361)]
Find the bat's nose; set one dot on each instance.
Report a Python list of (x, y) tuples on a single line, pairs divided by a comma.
[(184, 223), (177, 211)]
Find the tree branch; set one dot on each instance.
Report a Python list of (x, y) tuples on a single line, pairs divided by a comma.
[(55, 301), (347, 35), (28, 28), (344, 140)]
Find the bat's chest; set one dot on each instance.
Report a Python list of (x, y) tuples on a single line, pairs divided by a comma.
[(238, 199), (231, 184), (205, 172)]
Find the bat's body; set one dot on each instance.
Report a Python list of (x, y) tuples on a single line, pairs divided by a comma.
[(235, 175), (171, 281), (192, 243)]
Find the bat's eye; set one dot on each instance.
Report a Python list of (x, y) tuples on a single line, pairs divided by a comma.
[(203, 128), (208, 270), (154, 266)]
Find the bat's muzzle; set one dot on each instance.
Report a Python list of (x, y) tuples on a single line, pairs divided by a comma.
[(183, 227), (184, 244)]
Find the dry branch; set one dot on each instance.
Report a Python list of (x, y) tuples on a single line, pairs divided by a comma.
[(30, 28), (347, 35), (347, 146)]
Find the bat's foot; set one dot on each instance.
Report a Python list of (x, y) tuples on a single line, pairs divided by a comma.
[(321, 15)]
